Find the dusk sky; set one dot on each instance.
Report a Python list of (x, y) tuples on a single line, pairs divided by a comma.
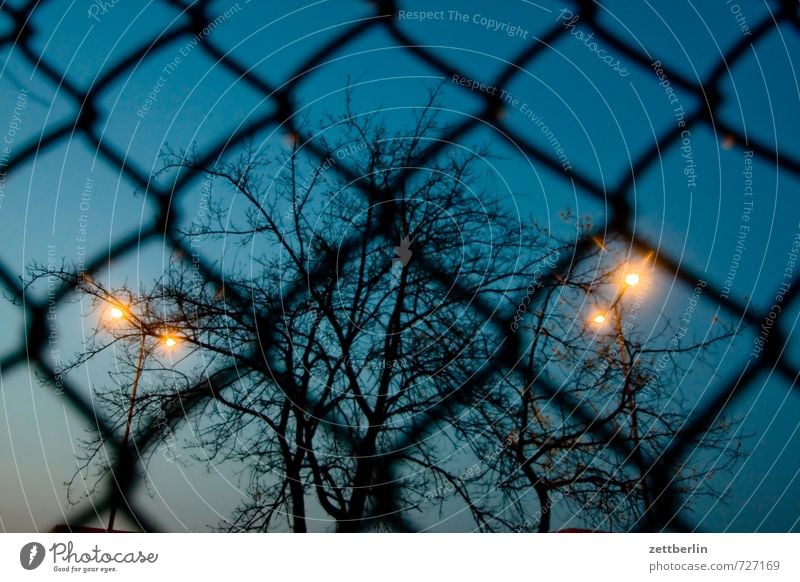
[(715, 203)]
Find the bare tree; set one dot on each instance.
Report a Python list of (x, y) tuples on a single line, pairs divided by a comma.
[(353, 315)]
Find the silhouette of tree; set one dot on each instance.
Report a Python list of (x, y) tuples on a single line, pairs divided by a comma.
[(376, 267)]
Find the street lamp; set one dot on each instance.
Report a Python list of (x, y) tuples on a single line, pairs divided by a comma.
[(117, 313), (632, 279)]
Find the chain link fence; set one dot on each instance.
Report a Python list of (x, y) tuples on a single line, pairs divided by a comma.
[(32, 349)]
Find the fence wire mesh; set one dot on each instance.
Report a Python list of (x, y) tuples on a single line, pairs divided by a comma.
[(30, 351)]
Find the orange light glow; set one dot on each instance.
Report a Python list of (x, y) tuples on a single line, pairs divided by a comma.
[(632, 279)]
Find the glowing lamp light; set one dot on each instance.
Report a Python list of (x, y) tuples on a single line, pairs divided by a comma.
[(170, 341), (632, 279), (599, 318), (116, 313)]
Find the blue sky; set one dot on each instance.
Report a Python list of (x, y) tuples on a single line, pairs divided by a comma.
[(603, 121)]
